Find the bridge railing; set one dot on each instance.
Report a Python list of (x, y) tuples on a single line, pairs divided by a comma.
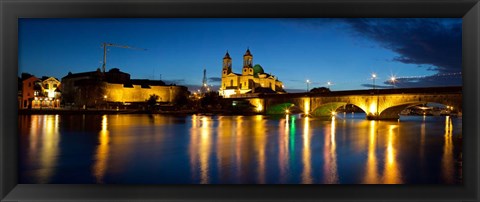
[(250, 95), (431, 90)]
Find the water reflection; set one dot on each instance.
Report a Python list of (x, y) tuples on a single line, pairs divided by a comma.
[(239, 149), (260, 145), (307, 152), (447, 158), (283, 142), (101, 155), (200, 146), (391, 171), (43, 146), (371, 177), (330, 156)]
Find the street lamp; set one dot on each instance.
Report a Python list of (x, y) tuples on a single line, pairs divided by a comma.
[(308, 85), (329, 84), (393, 79), (373, 78)]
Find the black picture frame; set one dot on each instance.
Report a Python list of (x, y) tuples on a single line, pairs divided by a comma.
[(10, 11)]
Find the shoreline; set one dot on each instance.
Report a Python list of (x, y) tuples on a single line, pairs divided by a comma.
[(103, 111)]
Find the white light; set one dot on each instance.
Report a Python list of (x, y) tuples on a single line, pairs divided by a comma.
[(374, 75)]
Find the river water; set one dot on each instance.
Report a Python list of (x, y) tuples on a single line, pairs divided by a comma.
[(161, 149)]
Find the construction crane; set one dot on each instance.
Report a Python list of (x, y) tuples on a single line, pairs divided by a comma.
[(105, 45), (204, 88)]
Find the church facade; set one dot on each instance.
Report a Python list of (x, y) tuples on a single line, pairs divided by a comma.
[(253, 79)]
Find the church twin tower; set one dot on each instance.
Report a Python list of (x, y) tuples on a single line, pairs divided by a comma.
[(251, 80), (247, 64)]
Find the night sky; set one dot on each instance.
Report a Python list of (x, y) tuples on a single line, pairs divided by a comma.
[(345, 52)]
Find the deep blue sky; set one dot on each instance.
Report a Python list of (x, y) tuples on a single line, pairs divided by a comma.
[(420, 52)]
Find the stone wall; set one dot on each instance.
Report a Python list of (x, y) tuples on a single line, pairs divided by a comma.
[(119, 93)]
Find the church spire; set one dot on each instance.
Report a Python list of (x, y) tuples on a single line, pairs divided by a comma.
[(227, 56), (248, 52)]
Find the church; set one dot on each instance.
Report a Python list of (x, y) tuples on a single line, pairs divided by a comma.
[(253, 79)]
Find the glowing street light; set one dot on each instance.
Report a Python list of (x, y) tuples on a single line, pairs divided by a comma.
[(308, 85), (373, 78), (393, 79)]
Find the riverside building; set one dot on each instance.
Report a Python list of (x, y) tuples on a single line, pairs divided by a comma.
[(253, 79)]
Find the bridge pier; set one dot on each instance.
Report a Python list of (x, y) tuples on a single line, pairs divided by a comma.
[(382, 116)]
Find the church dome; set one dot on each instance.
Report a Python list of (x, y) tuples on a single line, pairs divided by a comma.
[(257, 69)]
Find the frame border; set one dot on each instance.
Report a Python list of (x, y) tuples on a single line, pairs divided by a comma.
[(11, 10)]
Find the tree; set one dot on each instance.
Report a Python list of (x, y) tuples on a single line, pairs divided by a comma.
[(181, 99), (210, 99), (152, 101), (320, 90)]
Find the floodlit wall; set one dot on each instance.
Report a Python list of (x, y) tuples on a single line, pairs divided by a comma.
[(119, 93)]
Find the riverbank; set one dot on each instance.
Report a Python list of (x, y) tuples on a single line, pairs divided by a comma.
[(125, 111), (99, 111)]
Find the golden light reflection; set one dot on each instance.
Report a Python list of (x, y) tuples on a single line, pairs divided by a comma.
[(204, 150), (307, 159), (223, 148), (422, 140), (193, 145), (101, 155), (371, 177), (46, 142), (260, 145), (447, 158), (200, 147), (283, 142), (391, 173), (239, 144), (330, 154)]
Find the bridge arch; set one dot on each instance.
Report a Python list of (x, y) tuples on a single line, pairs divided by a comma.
[(328, 108), (394, 111), (283, 108)]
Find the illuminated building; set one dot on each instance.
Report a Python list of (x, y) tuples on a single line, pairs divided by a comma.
[(253, 79), (114, 89), (39, 93)]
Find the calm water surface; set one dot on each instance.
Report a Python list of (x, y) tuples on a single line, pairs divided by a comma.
[(159, 149)]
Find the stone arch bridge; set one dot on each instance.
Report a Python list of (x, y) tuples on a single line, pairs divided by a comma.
[(377, 104)]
